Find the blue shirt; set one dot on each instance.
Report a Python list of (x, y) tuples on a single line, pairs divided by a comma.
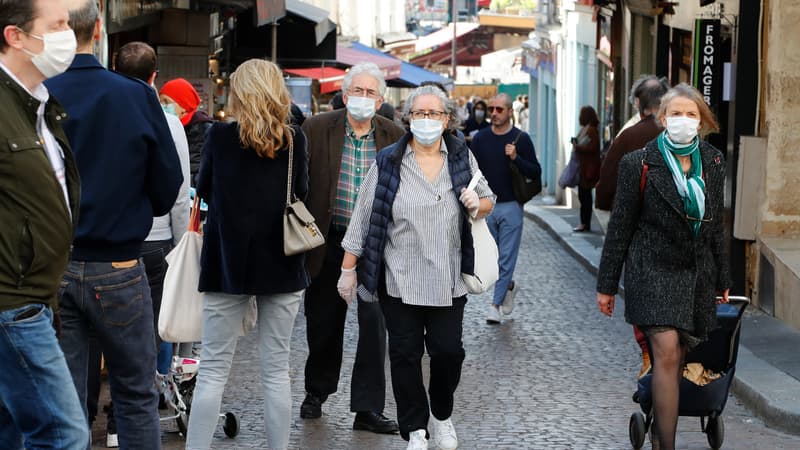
[(489, 150), (125, 155)]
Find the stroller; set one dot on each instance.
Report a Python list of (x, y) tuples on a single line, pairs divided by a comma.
[(178, 388), (717, 354)]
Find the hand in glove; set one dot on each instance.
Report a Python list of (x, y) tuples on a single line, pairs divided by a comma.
[(347, 284), (470, 200)]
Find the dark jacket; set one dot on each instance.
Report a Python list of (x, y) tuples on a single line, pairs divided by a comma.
[(196, 131), (589, 158), (489, 151), (389, 160), (243, 235), (671, 277), (35, 225), (125, 154), (633, 138), (325, 134)]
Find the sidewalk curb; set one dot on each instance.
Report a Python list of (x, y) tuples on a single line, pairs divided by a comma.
[(769, 393)]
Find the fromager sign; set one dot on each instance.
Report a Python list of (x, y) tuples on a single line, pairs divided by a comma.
[(706, 63)]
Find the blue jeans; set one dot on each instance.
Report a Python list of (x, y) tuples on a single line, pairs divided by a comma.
[(38, 402), (222, 324), (505, 224), (114, 303)]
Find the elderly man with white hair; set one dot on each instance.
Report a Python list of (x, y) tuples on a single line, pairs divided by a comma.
[(342, 145)]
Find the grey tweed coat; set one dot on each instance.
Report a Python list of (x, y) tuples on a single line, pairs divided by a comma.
[(671, 277)]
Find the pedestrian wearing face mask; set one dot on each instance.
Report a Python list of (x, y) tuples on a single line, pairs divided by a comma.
[(669, 237), (477, 119), (39, 190), (180, 98), (342, 145), (406, 246)]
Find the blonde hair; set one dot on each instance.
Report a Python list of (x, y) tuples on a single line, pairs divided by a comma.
[(260, 102), (708, 124)]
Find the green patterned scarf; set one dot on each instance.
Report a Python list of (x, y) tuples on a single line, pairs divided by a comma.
[(691, 186)]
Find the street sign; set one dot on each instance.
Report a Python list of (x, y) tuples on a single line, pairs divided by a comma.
[(707, 59)]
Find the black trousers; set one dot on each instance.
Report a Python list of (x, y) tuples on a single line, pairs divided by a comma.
[(585, 197), (154, 255), (411, 329), (325, 319)]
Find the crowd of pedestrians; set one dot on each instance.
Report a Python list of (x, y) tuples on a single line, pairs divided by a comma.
[(90, 210)]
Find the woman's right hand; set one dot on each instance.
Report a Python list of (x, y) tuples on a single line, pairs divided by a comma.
[(347, 285), (606, 303)]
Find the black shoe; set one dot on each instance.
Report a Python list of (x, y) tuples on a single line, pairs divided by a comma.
[(374, 422), (582, 229), (311, 407)]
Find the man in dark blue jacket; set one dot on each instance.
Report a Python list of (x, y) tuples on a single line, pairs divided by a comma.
[(496, 148), (130, 172)]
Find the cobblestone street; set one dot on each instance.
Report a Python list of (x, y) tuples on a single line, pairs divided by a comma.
[(555, 375)]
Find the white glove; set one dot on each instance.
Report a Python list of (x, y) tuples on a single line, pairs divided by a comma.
[(470, 200), (347, 284)]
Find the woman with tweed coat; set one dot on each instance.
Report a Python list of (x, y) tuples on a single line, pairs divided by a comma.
[(670, 238)]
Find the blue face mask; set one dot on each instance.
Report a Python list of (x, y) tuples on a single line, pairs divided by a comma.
[(169, 108)]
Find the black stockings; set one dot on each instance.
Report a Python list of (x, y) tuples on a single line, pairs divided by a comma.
[(668, 356)]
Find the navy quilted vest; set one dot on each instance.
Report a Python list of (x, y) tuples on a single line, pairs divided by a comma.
[(388, 160)]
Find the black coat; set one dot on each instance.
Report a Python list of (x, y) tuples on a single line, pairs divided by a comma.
[(196, 131), (243, 235), (671, 277)]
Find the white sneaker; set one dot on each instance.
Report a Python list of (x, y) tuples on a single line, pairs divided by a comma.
[(494, 315), (112, 440), (417, 440), (444, 435), (508, 300)]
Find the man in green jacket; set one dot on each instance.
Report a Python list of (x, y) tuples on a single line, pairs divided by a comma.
[(39, 195)]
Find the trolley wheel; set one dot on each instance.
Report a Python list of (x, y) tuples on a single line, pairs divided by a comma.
[(636, 430), (715, 432), (231, 425)]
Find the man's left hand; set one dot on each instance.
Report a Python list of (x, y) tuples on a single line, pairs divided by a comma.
[(511, 151)]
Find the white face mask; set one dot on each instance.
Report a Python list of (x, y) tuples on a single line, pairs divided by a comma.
[(426, 131), (57, 53), (480, 114), (361, 108), (682, 129)]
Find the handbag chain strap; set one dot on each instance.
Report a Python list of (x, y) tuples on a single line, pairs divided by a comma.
[(289, 179)]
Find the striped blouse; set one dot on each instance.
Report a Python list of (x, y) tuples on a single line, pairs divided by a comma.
[(423, 241)]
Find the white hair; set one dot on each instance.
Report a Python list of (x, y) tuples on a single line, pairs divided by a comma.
[(366, 68)]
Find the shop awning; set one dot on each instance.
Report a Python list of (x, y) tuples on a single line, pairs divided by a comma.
[(330, 78), (318, 16), (410, 75), (351, 56), (443, 36), (435, 49)]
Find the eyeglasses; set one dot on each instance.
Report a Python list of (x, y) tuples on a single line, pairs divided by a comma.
[(435, 115), (695, 219), (499, 109), (361, 92)]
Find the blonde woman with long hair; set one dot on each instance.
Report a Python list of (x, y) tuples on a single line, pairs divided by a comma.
[(243, 178)]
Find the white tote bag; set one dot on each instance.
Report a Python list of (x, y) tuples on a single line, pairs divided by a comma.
[(486, 256), (181, 316)]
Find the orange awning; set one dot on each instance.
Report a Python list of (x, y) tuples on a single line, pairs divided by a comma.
[(330, 78)]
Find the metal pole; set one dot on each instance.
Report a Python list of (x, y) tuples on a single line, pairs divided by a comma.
[(453, 46), (275, 42)]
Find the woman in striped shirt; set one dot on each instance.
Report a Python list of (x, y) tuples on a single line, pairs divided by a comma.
[(406, 246)]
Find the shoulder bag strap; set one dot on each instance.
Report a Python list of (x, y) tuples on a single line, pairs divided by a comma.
[(289, 178)]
